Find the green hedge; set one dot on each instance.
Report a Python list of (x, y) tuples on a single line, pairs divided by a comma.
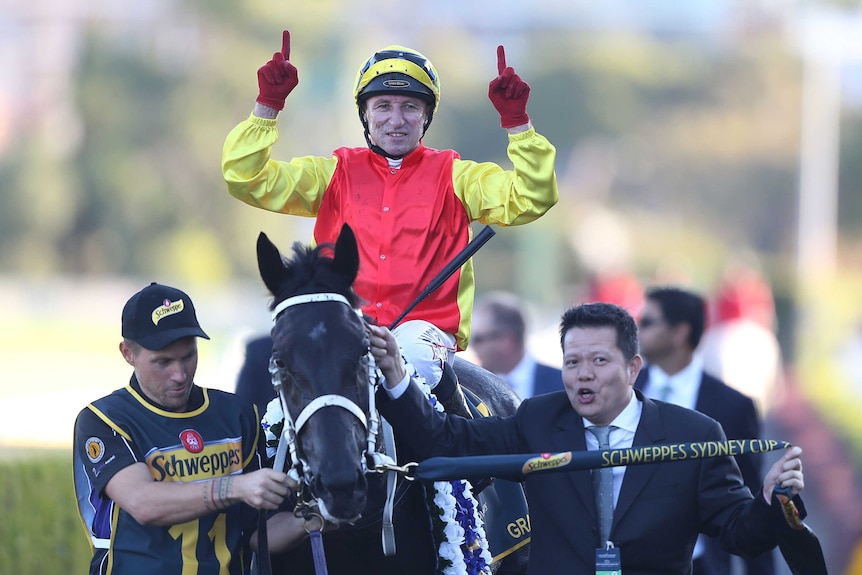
[(40, 532)]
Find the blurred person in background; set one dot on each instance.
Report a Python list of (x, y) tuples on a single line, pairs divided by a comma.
[(410, 206), (618, 287), (740, 345), (254, 383), (167, 473), (671, 327), (498, 339)]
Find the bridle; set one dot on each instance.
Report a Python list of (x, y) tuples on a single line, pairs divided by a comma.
[(371, 460)]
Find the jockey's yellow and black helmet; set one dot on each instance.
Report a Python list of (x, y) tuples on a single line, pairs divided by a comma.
[(398, 70)]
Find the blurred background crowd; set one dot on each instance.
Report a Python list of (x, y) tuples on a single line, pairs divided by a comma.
[(713, 144)]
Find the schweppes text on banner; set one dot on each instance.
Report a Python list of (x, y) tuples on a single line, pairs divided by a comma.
[(683, 451), (178, 464), (516, 466)]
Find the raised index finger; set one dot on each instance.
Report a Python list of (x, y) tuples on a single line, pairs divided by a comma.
[(501, 59), (285, 44)]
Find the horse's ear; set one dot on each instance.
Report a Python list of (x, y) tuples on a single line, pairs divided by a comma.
[(346, 261), (270, 263)]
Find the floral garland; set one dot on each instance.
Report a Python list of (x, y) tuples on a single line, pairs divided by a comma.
[(462, 548)]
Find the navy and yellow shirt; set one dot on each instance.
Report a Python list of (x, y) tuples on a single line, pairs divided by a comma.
[(218, 437)]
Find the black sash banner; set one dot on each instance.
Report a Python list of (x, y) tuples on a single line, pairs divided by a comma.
[(517, 467), (799, 546)]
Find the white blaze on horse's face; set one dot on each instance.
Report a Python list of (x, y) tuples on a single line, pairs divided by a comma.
[(318, 332)]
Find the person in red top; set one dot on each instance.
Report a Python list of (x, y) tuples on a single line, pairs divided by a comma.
[(410, 206)]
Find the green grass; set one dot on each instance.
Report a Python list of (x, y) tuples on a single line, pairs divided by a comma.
[(40, 533), (10, 453)]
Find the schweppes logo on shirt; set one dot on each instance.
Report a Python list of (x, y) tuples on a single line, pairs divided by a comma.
[(167, 308), (179, 464)]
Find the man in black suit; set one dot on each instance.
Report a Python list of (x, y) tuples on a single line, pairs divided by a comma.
[(498, 338), (670, 327), (659, 509)]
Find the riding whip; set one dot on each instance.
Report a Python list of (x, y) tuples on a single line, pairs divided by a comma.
[(477, 242)]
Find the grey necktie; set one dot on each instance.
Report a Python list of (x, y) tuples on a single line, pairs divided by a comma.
[(664, 392), (660, 387), (603, 486)]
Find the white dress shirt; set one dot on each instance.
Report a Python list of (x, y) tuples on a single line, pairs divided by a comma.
[(520, 379), (683, 385)]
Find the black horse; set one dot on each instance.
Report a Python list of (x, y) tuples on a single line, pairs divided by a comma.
[(319, 353)]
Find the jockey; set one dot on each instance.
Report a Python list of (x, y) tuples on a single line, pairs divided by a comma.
[(411, 206)]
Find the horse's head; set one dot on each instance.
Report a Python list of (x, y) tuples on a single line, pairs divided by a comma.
[(319, 354)]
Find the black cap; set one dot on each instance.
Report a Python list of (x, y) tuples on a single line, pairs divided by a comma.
[(158, 315)]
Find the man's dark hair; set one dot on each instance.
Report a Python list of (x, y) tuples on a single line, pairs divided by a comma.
[(603, 315), (681, 306)]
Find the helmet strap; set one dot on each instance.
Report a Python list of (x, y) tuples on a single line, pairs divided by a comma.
[(372, 146), (378, 150)]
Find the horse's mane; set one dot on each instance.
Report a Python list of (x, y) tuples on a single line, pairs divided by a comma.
[(311, 270)]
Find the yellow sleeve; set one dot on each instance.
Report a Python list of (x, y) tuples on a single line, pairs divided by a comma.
[(294, 187), (493, 195)]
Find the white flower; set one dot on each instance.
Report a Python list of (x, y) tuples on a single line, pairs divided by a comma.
[(273, 416), (452, 549), (454, 533), (451, 553)]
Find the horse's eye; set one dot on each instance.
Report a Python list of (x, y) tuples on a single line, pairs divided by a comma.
[(279, 363)]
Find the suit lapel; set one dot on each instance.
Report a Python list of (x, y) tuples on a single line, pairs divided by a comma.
[(650, 431), (568, 435)]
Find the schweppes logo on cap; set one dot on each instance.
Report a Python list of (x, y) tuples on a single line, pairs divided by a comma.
[(167, 308)]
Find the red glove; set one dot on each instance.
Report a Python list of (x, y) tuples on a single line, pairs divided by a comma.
[(278, 77), (509, 94)]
